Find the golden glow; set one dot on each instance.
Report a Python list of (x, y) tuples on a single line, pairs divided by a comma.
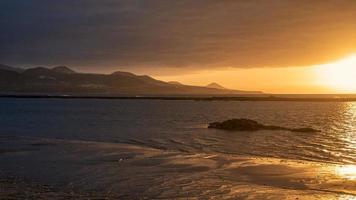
[(334, 77), (289, 80), (346, 171), (346, 197), (340, 75)]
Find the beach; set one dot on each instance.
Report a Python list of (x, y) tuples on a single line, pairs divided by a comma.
[(79, 169)]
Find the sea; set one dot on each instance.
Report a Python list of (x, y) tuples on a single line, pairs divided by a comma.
[(86, 148)]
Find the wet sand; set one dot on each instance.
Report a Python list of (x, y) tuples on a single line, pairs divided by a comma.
[(38, 168)]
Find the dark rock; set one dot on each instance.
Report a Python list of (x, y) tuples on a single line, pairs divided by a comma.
[(251, 125), (238, 125), (304, 130)]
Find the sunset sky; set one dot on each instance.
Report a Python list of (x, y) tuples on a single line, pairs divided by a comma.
[(277, 46)]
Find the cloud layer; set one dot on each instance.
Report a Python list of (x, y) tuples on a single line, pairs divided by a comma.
[(181, 34)]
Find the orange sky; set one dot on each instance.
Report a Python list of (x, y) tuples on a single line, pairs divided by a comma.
[(335, 77), (276, 46)]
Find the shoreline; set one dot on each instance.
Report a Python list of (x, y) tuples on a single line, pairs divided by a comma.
[(284, 98), (125, 171)]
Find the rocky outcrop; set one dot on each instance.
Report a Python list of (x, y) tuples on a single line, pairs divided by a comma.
[(251, 125)]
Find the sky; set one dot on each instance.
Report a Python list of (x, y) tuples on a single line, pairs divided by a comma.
[(269, 45)]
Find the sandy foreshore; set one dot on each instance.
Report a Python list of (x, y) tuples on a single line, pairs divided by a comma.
[(38, 168)]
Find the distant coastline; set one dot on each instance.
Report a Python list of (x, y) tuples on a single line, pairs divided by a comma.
[(63, 80), (281, 97)]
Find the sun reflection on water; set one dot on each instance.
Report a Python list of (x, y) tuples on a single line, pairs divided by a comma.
[(346, 133), (346, 171), (347, 198), (348, 136)]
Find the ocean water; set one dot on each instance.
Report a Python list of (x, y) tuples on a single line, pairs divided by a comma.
[(162, 149), (182, 125)]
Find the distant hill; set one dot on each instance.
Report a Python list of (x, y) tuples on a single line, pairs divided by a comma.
[(63, 69), (174, 83), (119, 73), (216, 86), (65, 81), (9, 68)]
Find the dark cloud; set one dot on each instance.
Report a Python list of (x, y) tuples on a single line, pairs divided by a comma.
[(171, 33)]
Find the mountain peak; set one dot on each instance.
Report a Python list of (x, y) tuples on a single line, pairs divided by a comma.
[(175, 83), (120, 73), (63, 69), (215, 86)]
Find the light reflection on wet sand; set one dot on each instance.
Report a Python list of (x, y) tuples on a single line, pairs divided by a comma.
[(111, 170)]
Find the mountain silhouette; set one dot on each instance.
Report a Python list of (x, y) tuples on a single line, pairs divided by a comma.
[(174, 83), (65, 81), (63, 69), (9, 68), (215, 85)]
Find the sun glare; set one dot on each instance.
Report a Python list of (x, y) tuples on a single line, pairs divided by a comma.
[(339, 75), (347, 171)]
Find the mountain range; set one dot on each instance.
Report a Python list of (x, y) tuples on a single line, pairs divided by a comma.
[(62, 80)]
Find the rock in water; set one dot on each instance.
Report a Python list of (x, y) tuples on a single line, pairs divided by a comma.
[(251, 125), (304, 130), (237, 125)]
